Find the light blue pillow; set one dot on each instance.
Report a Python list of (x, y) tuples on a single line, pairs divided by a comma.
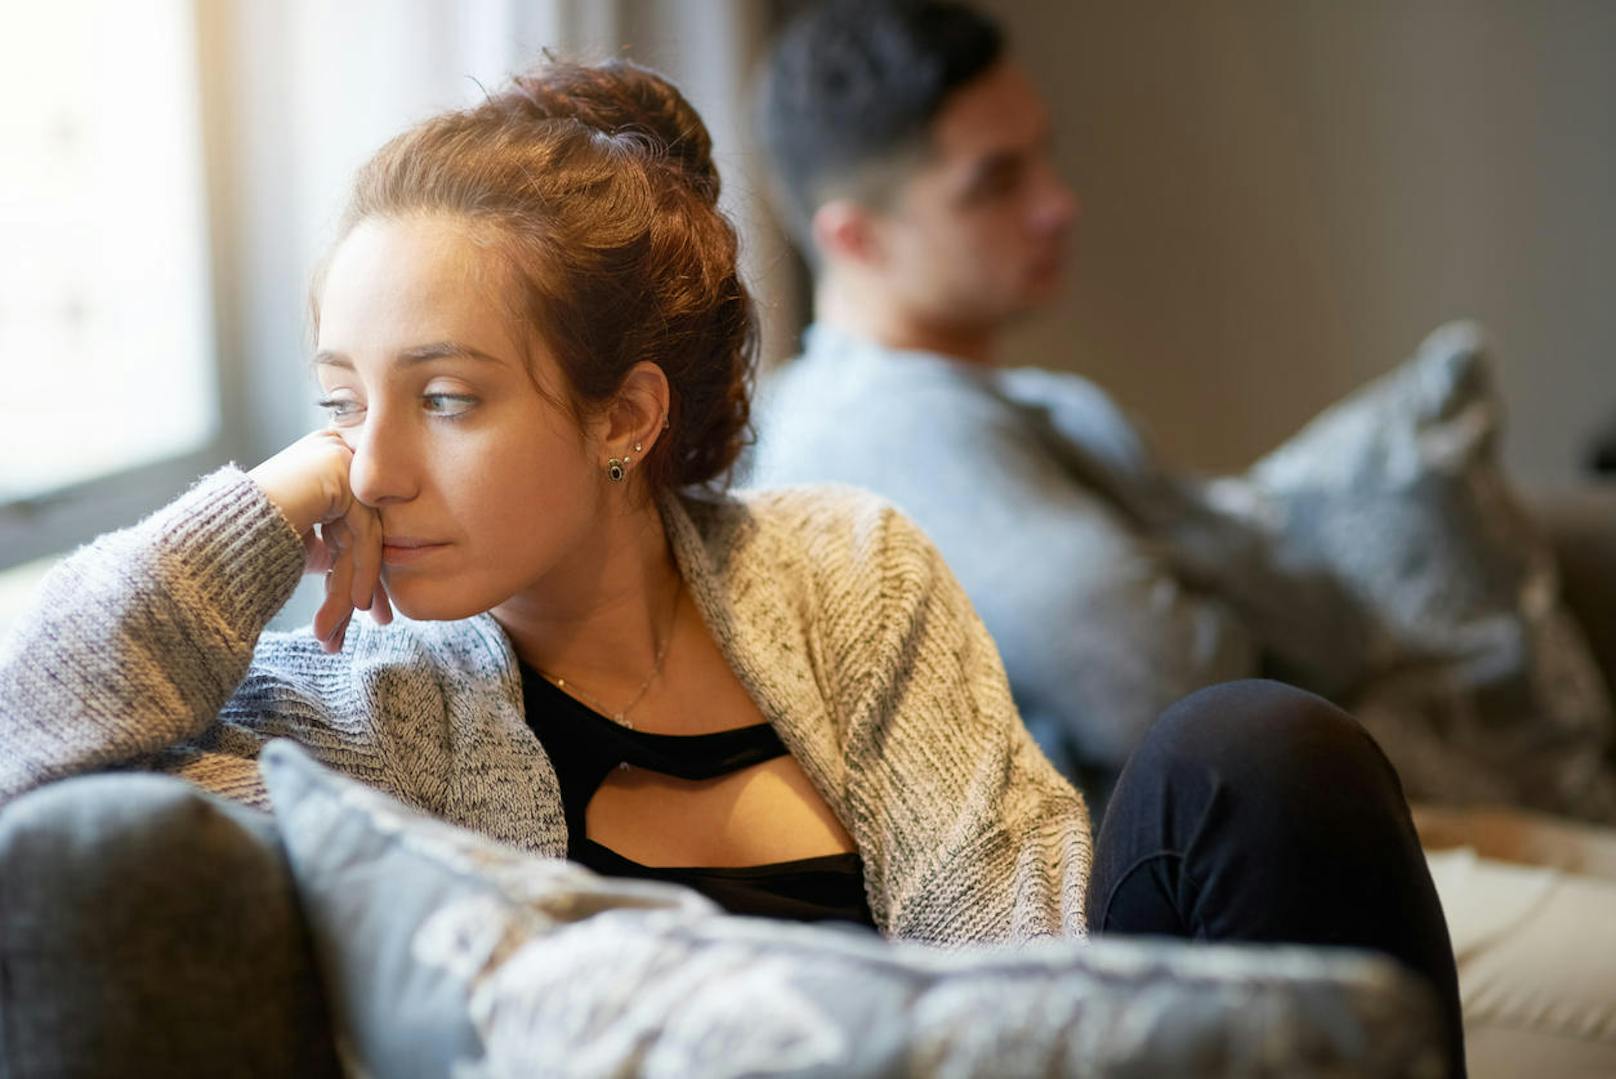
[(448, 954)]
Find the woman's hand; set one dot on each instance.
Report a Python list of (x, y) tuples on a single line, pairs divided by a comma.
[(308, 483)]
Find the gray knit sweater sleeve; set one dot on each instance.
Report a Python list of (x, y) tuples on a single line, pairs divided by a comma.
[(135, 643)]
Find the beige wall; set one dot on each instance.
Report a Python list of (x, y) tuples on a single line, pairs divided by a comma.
[(1282, 196)]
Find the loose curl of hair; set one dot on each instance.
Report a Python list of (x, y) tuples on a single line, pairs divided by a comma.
[(597, 185)]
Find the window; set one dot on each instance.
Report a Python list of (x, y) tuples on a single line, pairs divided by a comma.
[(109, 381)]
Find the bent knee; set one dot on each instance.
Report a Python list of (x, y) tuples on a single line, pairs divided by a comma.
[(1262, 724)]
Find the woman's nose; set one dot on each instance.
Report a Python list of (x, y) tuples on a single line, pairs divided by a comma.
[(382, 471)]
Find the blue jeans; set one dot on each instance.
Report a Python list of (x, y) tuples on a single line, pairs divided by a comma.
[(1255, 812)]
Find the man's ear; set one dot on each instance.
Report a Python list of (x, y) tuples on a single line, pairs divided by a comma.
[(845, 231), (637, 415)]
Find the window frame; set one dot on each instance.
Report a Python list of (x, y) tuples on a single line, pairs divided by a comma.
[(55, 521)]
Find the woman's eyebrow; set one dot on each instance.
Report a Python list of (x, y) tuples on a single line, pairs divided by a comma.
[(437, 350), (332, 359), (444, 350)]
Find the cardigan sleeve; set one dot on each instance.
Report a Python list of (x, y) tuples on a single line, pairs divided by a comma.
[(133, 644), (969, 833)]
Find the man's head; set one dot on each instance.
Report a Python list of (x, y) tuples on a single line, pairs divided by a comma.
[(913, 156)]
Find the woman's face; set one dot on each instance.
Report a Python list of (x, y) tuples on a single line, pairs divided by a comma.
[(484, 485)]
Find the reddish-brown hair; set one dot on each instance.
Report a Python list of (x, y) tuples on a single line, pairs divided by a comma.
[(597, 185)]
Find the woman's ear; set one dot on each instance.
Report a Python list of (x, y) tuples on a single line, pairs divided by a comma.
[(637, 415)]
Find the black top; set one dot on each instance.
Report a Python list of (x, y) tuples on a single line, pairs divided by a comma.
[(584, 746)]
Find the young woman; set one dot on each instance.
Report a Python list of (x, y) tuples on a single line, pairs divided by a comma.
[(535, 349)]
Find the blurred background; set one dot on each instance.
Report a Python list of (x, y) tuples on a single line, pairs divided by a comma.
[(1281, 197)]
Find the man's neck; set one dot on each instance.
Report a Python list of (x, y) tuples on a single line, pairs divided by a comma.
[(868, 314)]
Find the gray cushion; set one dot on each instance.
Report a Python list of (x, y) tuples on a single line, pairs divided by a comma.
[(448, 953), (1479, 685), (149, 929)]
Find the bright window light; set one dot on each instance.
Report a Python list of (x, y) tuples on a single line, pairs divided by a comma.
[(106, 337)]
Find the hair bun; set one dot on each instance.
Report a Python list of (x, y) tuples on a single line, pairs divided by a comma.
[(618, 98)]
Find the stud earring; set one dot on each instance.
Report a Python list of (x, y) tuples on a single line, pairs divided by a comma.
[(615, 470), (636, 447)]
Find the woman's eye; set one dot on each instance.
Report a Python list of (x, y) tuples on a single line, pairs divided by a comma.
[(340, 408), (448, 405)]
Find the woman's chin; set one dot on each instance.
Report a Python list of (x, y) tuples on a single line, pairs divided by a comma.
[(434, 601)]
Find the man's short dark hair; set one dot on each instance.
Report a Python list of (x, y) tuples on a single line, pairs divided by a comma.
[(850, 89)]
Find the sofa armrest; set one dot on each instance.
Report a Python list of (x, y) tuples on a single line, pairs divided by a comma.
[(147, 928), (1580, 525)]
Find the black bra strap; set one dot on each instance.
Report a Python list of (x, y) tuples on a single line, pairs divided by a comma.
[(584, 746)]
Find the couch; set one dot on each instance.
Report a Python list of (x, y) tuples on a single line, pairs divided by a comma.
[(147, 928)]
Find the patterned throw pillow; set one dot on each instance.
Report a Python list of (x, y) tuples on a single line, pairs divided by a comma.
[(1479, 684), (448, 954)]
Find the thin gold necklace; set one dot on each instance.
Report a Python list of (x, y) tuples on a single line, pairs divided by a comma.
[(620, 716)]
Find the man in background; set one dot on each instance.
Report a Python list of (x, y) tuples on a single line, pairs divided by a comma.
[(913, 159)]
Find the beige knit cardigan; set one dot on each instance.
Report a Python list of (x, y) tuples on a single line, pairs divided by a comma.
[(147, 648)]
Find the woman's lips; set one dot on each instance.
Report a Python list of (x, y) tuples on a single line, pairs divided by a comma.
[(398, 551)]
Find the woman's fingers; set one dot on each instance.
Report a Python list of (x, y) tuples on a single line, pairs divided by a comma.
[(316, 555), (381, 610), (342, 537), (353, 546), (365, 528), (331, 620), (308, 480)]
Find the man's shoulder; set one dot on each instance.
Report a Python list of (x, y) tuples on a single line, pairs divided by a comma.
[(1058, 390), (850, 370), (854, 419)]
